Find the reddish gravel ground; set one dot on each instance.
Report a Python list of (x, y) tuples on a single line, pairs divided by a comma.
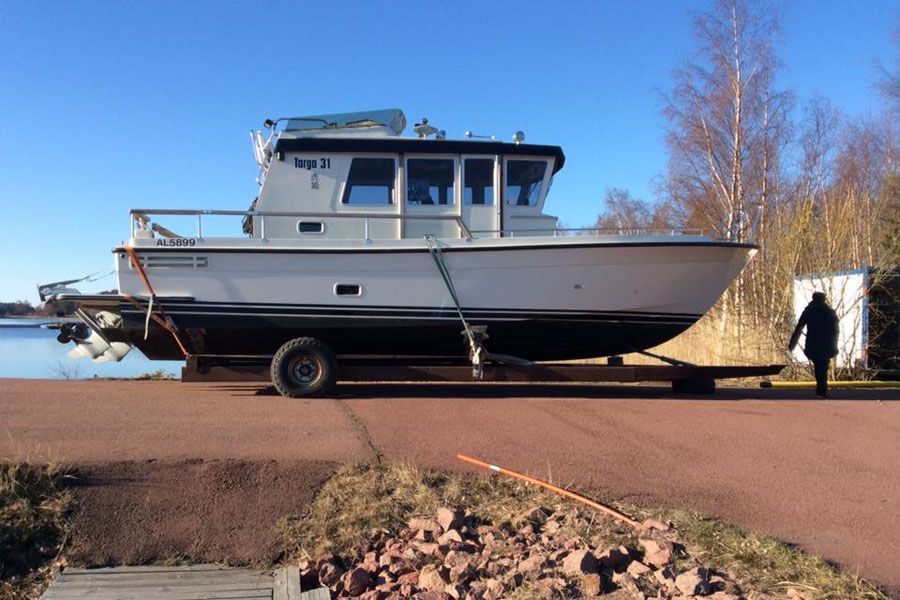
[(134, 512), (823, 475)]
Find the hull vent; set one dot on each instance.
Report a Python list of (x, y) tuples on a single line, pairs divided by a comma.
[(188, 262)]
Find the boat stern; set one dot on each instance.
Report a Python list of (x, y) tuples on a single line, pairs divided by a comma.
[(98, 333)]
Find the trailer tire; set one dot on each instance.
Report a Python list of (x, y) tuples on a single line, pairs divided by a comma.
[(304, 367)]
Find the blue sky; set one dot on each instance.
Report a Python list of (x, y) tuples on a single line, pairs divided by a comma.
[(108, 106)]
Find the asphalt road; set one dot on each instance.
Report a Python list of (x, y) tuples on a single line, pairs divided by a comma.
[(823, 475)]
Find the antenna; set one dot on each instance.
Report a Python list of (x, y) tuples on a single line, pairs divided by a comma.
[(471, 135), (423, 129)]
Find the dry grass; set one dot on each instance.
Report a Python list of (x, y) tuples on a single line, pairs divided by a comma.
[(761, 562), (706, 343), (33, 526), (362, 498), (157, 375)]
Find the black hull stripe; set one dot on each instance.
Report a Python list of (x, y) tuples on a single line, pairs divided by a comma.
[(204, 249), (534, 339), (193, 306), (437, 316)]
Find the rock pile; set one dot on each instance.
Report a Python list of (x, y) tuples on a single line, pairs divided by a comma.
[(450, 556)]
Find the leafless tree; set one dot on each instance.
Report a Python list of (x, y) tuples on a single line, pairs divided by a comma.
[(623, 212), (728, 128), (727, 121), (65, 369), (819, 196), (889, 82)]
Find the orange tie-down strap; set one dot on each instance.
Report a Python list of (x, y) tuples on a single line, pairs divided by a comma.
[(160, 319)]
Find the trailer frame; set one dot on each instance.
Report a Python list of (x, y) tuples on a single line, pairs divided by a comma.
[(684, 377)]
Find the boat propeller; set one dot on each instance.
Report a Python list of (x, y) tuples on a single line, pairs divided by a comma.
[(73, 331)]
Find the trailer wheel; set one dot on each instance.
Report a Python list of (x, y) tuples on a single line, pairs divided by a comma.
[(304, 367)]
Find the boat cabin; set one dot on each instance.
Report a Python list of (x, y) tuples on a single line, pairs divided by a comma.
[(354, 176)]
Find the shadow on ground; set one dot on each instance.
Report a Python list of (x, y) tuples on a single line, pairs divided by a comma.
[(352, 391)]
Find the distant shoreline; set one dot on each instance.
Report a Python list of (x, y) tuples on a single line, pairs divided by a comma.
[(44, 321)]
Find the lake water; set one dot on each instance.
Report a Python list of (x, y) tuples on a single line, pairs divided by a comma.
[(33, 352)]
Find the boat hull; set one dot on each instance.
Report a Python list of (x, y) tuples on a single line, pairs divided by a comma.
[(550, 301), (246, 331)]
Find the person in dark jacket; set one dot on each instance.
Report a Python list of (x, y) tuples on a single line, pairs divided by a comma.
[(821, 324)]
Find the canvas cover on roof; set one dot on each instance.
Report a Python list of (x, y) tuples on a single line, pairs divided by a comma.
[(388, 117)]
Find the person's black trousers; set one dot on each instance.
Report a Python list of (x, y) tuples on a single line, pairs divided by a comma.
[(821, 368)]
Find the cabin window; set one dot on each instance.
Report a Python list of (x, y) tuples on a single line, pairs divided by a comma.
[(430, 181), (478, 187), (523, 181), (370, 182)]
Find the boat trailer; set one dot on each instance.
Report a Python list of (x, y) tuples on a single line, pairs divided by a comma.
[(685, 378)]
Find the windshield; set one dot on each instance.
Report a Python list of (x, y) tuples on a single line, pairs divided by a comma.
[(524, 179)]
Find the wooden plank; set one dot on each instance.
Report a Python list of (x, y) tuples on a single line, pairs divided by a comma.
[(223, 576), (237, 584), (321, 593), (287, 583), (293, 579), (190, 582), (142, 595), (158, 579), (129, 573), (113, 575), (125, 593), (148, 569), (280, 585), (293, 582)]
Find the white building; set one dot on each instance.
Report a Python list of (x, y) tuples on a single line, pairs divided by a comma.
[(868, 336)]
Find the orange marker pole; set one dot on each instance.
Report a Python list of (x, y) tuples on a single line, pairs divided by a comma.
[(549, 486)]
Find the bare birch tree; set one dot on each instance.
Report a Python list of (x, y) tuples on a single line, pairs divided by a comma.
[(727, 122), (728, 126), (889, 83), (826, 199), (623, 212)]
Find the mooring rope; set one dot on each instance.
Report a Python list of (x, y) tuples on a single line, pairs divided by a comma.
[(477, 351)]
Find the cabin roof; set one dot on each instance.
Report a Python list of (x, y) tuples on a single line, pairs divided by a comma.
[(395, 145)]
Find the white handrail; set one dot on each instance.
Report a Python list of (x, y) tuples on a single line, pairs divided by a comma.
[(141, 214), (599, 230)]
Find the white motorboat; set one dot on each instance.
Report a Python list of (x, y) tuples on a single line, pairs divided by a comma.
[(370, 243)]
